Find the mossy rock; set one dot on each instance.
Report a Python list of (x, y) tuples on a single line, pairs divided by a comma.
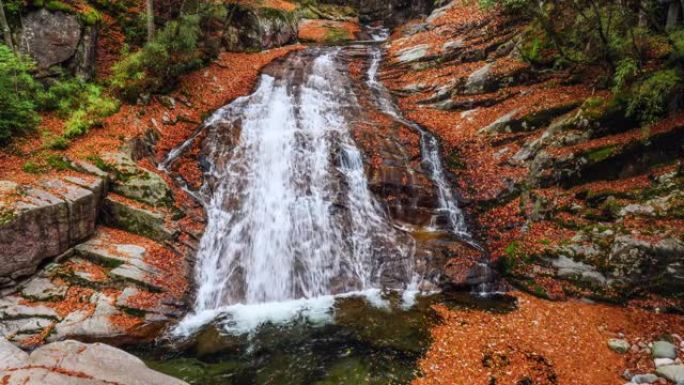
[(136, 220), (135, 182)]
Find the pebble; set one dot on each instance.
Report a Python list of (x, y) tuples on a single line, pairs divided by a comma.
[(664, 349), (618, 345), (663, 361)]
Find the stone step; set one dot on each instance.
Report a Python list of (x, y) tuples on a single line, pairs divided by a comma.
[(136, 219), (126, 261)]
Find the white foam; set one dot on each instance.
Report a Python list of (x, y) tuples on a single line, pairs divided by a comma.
[(243, 319)]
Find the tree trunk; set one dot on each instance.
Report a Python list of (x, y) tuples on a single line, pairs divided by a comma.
[(673, 14), (643, 17), (6, 32), (150, 19)]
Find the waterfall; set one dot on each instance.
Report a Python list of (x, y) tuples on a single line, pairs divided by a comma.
[(448, 204), (290, 215)]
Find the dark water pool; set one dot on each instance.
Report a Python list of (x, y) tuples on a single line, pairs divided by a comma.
[(362, 345)]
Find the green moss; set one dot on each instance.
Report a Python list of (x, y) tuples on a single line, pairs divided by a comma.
[(91, 17), (58, 143), (58, 6), (274, 13), (336, 35), (100, 163), (59, 163), (6, 216), (34, 168), (600, 154)]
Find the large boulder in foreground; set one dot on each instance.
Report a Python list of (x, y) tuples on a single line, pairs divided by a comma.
[(76, 363)]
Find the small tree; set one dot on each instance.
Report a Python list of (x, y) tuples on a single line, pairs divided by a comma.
[(17, 92)]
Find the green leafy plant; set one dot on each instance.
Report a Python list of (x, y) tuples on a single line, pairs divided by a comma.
[(58, 6), (82, 104), (649, 98), (625, 72), (17, 89), (157, 65)]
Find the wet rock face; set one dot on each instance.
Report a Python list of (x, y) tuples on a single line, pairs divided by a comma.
[(59, 39), (72, 362)]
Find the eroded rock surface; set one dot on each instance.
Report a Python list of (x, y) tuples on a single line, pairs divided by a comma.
[(75, 363), (41, 222)]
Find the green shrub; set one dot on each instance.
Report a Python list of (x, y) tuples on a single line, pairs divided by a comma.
[(677, 42), (62, 96), (625, 72), (91, 17), (96, 108), (17, 90), (82, 104), (34, 168), (648, 99), (58, 143), (507, 4), (58, 6), (531, 50), (157, 65)]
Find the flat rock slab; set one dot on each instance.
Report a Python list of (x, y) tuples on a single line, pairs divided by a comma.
[(43, 289), (75, 363), (664, 349), (12, 308), (83, 324), (411, 54), (127, 262), (137, 220)]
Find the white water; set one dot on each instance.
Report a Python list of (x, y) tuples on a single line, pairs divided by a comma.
[(291, 221), (448, 205)]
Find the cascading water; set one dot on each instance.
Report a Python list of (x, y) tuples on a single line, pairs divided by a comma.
[(290, 216), (448, 205)]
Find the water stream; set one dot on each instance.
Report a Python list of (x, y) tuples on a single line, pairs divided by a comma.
[(290, 217), (430, 151), (303, 277)]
